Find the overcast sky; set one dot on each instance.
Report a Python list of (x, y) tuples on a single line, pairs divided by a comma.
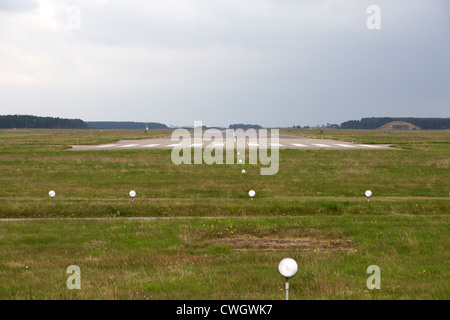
[(267, 62)]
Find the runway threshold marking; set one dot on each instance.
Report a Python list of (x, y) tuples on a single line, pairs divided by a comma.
[(107, 146), (299, 145), (345, 145), (367, 146), (321, 145), (128, 146), (150, 145)]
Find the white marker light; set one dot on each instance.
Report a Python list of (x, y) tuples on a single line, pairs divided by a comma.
[(132, 194), (368, 194), (251, 193), (52, 193), (243, 171), (287, 268)]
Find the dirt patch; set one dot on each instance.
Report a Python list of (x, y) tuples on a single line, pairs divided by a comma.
[(249, 242), (14, 264)]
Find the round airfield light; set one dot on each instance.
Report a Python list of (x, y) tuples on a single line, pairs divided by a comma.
[(368, 194), (132, 195), (288, 267), (52, 193), (251, 193), (243, 171)]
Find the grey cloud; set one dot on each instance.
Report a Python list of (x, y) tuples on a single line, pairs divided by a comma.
[(18, 5), (267, 62)]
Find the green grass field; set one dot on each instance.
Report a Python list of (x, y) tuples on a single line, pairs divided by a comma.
[(210, 241)]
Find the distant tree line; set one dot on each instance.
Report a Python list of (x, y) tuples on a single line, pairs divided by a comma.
[(35, 122), (245, 126), (375, 123), (328, 125), (124, 125)]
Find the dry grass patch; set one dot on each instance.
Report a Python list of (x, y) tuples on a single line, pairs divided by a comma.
[(271, 243), (14, 264)]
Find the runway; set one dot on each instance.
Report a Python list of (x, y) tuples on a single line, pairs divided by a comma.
[(284, 142)]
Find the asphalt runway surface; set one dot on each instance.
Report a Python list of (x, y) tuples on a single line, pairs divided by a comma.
[(284, 142)]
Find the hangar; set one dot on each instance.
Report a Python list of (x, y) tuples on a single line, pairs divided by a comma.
[(399, 125)]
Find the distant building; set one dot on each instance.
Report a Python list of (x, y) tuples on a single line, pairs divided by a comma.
[(399, 125)]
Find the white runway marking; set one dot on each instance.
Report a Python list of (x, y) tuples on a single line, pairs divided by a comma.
[(107, 146), (287, 141), (150, 145), (128, 146), (345, 145), (365, 145), (298, 145), (321, 145)]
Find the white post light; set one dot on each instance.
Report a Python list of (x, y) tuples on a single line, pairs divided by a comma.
[(287, 268), (243, 171), (132, 195), (368, 194), (251, 193), (52, 194)]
